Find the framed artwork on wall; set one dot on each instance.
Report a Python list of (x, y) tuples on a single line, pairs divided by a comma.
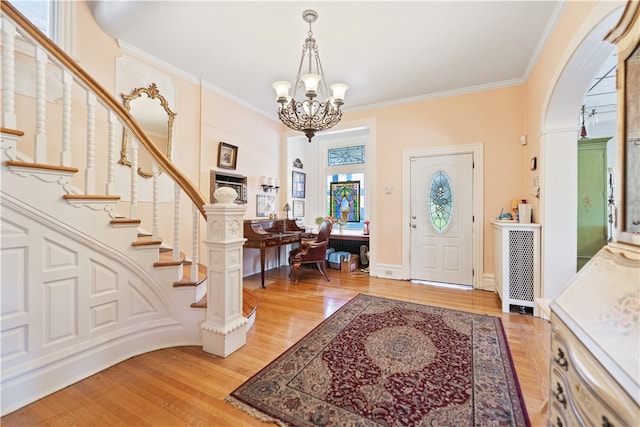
[(298, 208), (265, 204), (298, 182), (227, 155)]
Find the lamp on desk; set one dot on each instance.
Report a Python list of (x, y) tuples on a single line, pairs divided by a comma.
[(287, 208)]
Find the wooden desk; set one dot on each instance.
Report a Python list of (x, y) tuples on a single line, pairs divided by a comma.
[(270, 233)]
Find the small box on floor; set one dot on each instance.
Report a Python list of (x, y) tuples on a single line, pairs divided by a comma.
[(349, 264), (335, 259)]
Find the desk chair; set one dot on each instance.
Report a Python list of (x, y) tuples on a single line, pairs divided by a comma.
[(312, 252)]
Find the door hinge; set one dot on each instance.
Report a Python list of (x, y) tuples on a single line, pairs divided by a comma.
[(473, 272), (473, 218)]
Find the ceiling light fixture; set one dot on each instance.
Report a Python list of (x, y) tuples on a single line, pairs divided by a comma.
[(587, 118), (318, 111)]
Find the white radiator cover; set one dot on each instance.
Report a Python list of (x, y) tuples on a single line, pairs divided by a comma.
[(517, 264)]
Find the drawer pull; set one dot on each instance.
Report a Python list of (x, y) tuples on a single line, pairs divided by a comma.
[(605, 422), (562, 360), (559, 395)]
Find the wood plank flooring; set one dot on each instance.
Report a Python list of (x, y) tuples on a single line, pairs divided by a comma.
[(183, 386)]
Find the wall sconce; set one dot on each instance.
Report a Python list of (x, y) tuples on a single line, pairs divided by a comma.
[(269, 184)]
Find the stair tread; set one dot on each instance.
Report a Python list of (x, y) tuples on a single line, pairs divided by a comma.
[(249, 302), (186, 275), (146, 241), (90, 197), (125, 221), (17, 163), (12, 131), (165, 258)]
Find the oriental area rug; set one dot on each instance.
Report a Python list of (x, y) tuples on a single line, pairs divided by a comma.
[(383, 362)]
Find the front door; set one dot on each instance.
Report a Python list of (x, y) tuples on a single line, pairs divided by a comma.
[(442, 218)]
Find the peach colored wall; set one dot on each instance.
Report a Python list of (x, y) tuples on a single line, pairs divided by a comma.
[(493, 118), (543, 76)]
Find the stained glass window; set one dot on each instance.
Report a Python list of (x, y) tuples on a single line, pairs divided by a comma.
[(440, 202), (358, 205), (346, 155)]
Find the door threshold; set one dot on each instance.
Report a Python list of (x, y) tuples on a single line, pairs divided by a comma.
[(442, 284)]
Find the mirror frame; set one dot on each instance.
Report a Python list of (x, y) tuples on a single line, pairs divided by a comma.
[(152, 92), (626, 36)]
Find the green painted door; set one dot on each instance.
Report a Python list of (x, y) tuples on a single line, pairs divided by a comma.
[(592, 197)]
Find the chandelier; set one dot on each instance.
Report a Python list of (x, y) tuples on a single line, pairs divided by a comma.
[(318, 111)]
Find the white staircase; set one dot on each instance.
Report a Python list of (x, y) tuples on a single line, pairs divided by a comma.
[(84, 285)]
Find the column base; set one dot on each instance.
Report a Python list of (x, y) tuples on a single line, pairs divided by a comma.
[(223, 343)]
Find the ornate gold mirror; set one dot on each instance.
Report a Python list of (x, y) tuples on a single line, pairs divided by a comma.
[(151, 110)]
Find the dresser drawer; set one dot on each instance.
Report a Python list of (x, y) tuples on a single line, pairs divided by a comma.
[(561, 405), (592, 396), (557, 417)]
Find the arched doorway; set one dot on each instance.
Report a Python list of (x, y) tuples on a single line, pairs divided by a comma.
[(558, 147)]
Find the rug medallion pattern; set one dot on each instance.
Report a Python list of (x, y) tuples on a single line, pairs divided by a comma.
[(382, 362)]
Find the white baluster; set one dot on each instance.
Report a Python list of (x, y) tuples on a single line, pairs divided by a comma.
[(90, 173), (194, 250), (41, 106), (155, 230), (111, 167), (176, 221), (134, 179), (65, 155), (8, 74)]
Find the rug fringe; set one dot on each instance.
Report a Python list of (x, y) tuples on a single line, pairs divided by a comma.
[(254, 412)]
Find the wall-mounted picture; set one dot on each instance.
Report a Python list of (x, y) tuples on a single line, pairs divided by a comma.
[(345, 200), (298, 208), (298, 180), (227, 155), (265, 204)]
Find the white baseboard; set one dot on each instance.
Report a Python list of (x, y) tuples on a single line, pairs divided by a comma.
[(388, 271), (488, 282)]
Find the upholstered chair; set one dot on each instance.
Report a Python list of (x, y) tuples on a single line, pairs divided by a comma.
[(312, 252)]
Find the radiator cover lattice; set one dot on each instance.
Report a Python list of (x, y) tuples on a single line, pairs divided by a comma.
[(521, 258)]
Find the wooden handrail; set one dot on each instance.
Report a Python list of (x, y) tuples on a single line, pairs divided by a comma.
[(108, 101)]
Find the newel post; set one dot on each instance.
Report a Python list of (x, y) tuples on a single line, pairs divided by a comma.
[(224, 330)]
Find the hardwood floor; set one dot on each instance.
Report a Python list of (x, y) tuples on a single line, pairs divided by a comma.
[(184, 386)]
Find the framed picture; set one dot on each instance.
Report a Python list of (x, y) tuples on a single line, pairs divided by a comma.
[(345, 200), (298, 208), (298, 180), (227, 155), (264, 205)]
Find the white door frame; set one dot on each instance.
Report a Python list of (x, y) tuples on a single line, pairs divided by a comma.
[(478, 207)]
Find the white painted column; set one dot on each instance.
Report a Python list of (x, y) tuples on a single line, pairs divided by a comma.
[(558, 209), (225, 329)]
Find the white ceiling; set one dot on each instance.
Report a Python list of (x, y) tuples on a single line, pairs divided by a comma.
[(388, 52)]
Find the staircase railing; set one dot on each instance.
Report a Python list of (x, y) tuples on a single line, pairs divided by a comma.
[(103, 113)]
